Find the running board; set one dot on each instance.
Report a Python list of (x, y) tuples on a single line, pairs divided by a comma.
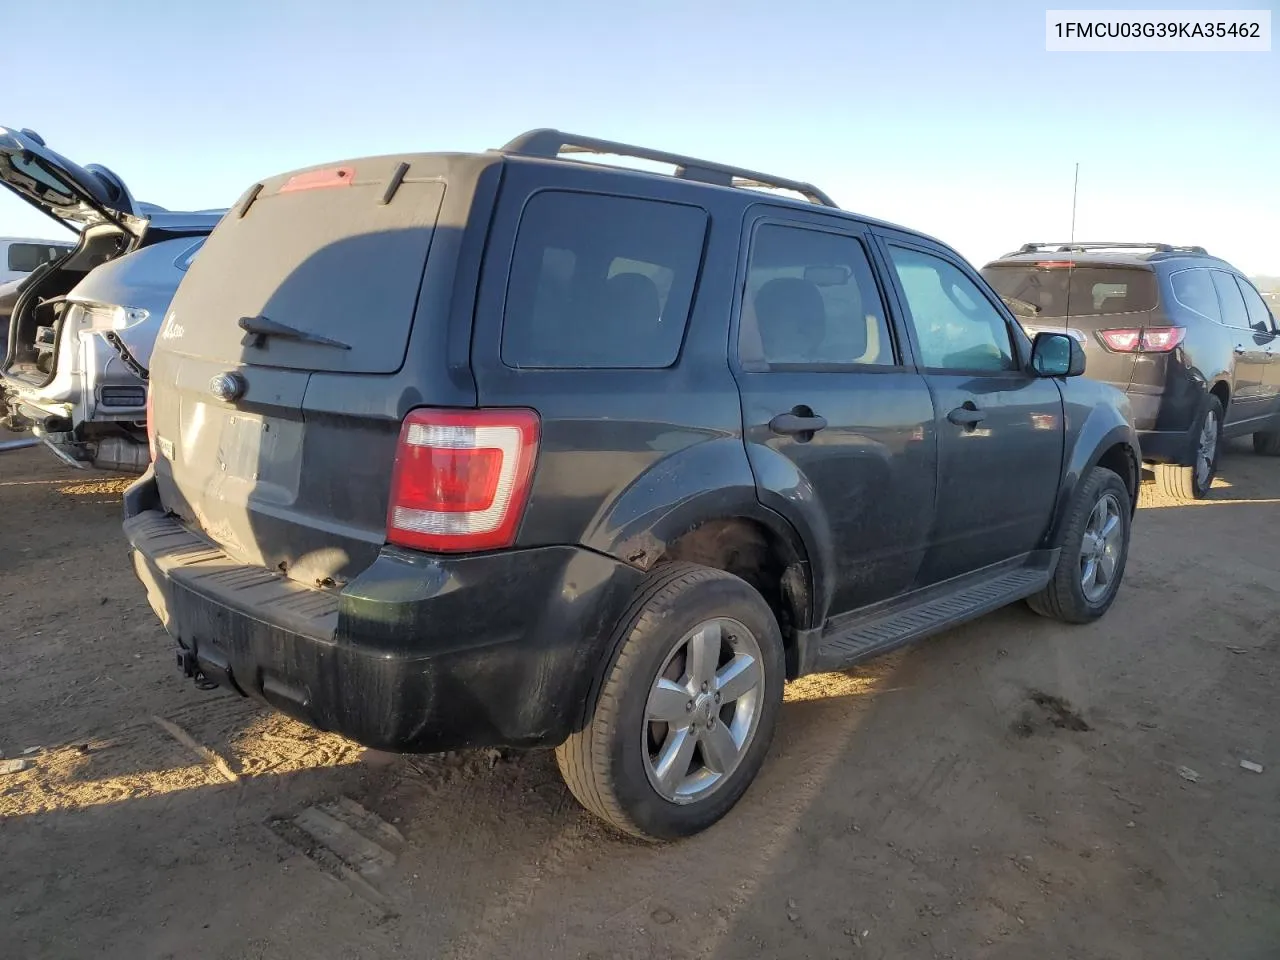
[(921, 613)]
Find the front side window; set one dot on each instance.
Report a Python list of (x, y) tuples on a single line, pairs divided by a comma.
[(1234, 312), (601, 282), (1194, 290), (956, 327), (812, 300), (1259, 316)]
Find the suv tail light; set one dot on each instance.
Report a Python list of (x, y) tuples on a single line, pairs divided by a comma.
[(1150, 340), (461, 478), (151, 425)]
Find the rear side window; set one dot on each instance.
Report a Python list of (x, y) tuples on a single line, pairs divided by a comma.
[(811, 299), (26, 257), (601, 282), (1061, 289), (1194, 290), (1234, 312)]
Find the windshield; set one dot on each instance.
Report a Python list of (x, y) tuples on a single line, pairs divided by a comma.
[(1038, 290)]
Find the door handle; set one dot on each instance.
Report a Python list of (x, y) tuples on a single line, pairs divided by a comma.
[(966, 416), (1239, 349), (791, 424)]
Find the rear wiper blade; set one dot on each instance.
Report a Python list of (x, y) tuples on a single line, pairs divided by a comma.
[(259, 328)]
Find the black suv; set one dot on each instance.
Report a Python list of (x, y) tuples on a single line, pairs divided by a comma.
[(1185, 334), (508, 449)]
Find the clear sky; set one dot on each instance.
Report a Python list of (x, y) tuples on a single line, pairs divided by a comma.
[(947, 117)]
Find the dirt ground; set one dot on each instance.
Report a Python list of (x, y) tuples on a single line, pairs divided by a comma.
[(1012, 789)]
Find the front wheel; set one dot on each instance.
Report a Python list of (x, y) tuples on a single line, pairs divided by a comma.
[(1095, 548), (680, 723)]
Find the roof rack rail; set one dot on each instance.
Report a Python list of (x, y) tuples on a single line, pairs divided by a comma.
[(550, 144), (1084, 247)]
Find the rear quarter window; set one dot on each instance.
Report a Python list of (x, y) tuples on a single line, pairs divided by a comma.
[(601, 282), (1194, 290)]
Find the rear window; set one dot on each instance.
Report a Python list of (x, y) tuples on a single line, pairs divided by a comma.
[(601, 281), (1033, 290), (26, 257), (331, 263)]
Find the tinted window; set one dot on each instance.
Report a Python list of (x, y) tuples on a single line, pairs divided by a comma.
[(1259, 315), (1194, 290), (956, 326), (25, 257), (811, 299), (1234, 312), (601, 281), (1060, 289)]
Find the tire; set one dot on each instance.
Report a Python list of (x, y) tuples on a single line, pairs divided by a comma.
[(1192, 482), (1267, 443), (612, 762), (1066, 597)]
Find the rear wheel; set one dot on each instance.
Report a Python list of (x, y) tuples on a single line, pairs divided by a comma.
[(679, 725), (1267, 443), (1193, 482), (1095, 548)]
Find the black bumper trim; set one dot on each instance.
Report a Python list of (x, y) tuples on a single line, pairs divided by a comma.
[(419, 653)]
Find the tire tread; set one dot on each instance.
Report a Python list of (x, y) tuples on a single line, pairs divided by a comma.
[(1061, 599), (583, 758)]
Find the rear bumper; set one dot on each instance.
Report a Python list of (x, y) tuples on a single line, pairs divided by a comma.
[(419, 653)]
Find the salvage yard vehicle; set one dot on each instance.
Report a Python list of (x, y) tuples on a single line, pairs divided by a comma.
[(455, 450), (83, 323), (1186, 335)]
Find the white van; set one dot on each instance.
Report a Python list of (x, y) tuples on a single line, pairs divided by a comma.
[(20, 255)]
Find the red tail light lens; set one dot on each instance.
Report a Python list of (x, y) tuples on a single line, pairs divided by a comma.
[(461, 479), (151, 425), (1162, 339), (1150, 340), (1122, 341)]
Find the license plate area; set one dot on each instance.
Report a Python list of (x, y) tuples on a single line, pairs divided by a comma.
[(262, 455)]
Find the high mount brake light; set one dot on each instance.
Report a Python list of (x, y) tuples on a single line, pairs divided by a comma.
[(1137, 340), (461, 479)]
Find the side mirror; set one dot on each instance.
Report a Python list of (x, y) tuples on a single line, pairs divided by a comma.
[(1057, 355)]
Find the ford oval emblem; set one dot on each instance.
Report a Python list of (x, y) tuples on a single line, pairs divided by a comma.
[(227, 386)]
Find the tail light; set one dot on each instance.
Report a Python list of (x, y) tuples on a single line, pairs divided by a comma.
[(1149, 340), (461, 479), (151, 424)]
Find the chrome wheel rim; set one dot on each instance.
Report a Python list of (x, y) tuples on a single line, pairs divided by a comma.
[(1101, 548), (1207, 450), (703, 710)]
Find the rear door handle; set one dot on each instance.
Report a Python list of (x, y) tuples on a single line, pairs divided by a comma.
[(790, 424), (966, 416)]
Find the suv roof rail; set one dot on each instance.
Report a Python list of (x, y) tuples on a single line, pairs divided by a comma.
[(1073, 247), (550, 144)]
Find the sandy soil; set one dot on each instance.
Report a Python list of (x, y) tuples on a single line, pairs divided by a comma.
[(1009, 790)]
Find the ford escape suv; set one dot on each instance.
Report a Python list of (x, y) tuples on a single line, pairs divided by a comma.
[(1186, 335), (516, 449)]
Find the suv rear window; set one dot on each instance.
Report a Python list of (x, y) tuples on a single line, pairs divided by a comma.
[(330, 263), (601, 281), (1036, 290)]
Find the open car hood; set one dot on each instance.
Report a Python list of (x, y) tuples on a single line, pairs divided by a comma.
[(74, 195)]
